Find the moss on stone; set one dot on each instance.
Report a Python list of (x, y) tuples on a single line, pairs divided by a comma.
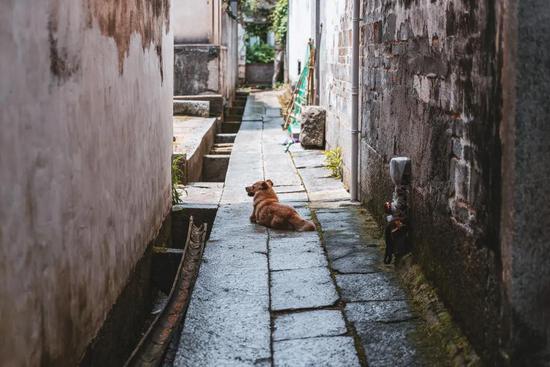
[(440, 327)]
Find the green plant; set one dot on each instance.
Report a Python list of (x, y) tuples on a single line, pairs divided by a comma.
[(177, 177), (260, 53), (334, 161), (279, 21)]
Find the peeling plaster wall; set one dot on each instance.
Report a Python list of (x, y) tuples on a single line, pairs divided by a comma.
[(431, 92), (85, 146)]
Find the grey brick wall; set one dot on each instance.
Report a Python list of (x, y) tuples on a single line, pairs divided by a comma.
[(430, 92)]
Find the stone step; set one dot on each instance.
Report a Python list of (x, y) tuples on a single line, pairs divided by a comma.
[(223, 145), (225, 138), (215, 167), (231, 127), (223, 151), (232, 117)]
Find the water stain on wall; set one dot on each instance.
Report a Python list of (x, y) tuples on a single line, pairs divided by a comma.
[(120, 19), (63, 61), (116, 19)]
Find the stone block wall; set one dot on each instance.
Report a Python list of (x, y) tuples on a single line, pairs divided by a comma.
[(85, 148), (431, 92), (461, 88), (335, 76)]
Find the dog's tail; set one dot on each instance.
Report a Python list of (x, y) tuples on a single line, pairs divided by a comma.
[(300, 224)]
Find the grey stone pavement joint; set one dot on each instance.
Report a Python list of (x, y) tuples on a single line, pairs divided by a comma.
[(280, 298)]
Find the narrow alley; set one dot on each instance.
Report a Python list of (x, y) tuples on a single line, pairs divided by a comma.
[(271, 297), (276, 183)]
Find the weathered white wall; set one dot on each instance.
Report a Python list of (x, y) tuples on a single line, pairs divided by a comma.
[(301, 27), (241, 53), (230, 68), (205, 65), (193, 21), (335, 76), (85, 146)]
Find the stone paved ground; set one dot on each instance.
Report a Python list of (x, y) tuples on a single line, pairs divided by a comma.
[(278, 298)]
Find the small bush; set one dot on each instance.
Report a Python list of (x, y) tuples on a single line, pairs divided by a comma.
[(335, 161), (260, 53)]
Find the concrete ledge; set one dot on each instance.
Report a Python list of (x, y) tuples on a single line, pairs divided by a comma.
[(216, 102), (194, 137), (192, 108)]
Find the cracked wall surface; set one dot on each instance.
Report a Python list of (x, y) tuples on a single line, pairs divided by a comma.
[(85, 147)]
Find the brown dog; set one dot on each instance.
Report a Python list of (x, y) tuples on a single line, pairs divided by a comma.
[(270, 213)]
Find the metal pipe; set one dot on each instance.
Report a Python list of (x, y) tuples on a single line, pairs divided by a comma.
[(355, 101), (317, 50)]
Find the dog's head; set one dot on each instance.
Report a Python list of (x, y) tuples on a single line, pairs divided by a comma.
[(259, 186)]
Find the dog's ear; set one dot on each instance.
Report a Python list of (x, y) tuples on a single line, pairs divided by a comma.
[(265, 186), (269, 182)]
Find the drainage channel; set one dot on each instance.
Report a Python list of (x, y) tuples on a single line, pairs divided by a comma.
[(200, 205), (203, 200), (144, 326)]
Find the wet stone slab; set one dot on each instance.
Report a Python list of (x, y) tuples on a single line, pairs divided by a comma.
[(385, 311), (369, 287), (302, 288), (356, 260), (345, 238), (309, 324), (351, 220), (334, 351), (389, 344)]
